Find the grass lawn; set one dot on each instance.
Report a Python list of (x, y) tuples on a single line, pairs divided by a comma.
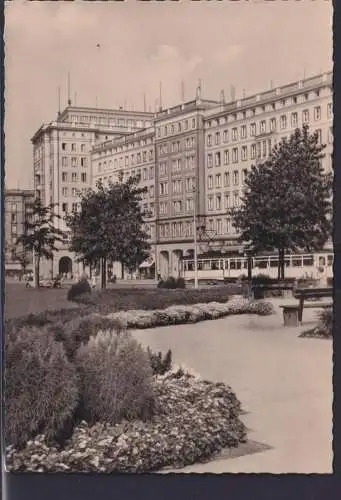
[(20, 301)]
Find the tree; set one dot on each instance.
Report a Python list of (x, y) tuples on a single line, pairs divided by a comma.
[(287, 200), (109, 226), (23, 260), (40, 234)]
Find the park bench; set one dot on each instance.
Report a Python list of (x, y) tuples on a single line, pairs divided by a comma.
[(293, 313), (260, 291)]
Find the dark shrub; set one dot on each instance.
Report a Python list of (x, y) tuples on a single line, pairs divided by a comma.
[(160, 365), (41, 392), (172, 283), (116, 378), (79, 330), (326, 321), (80, 288)]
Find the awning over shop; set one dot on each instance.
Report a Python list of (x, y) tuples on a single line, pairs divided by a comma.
[(147, 263)]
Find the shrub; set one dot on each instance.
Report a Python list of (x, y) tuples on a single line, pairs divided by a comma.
[(172, 283), (160, 365), (326, 320), (116, 378), (79, 289), (79, 330), (194, 419), (41, 392)]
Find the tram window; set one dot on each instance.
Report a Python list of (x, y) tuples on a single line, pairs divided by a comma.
[(200, 265), (322, 261), (245, 264), (232, 264), (190, 266), (214, 266), (207, 265), (330, 260), (308, 261), (226, 264), (297, 261), (273, 263), (239, 264), (262, 264), (287, 262)]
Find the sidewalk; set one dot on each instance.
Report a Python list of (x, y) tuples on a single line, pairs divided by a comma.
[(284, 383)]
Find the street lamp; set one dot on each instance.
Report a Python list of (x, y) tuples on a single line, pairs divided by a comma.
[(196, 282)]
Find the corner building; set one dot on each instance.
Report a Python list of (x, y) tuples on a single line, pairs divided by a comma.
[(62, 163)]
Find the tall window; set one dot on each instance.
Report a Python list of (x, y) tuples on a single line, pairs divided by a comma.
[(317, 113), (227, 200), (218, 180), (244, 153), (283, 122), (235, 177), (226, 136), (217, 159), (262, 127), (253, 151), (217, 138), (209, 140), (273, 124), (252, 129), (294, 119), (305, 116), (226, 179), (235, 134), (74, 177), (218, 202), (209, 160), (243, 131), (210, 203), (330, 110), (235, 155), (210, 181)]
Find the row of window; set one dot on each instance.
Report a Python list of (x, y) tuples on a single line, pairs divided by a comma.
[(177, 206), (185, 229), (176, 147), (144, 174), (74, 207), (227, 179), (223, 201), (176, 165), (73, 147), (74, 191), (265, 126), (124, 147), (177, 186), (75, 161), (126, 161), (258, 150), (111, 122), (74, 177), (176, 128), (263, 108)]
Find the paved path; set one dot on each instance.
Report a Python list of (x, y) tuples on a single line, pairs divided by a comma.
[(284, 383)]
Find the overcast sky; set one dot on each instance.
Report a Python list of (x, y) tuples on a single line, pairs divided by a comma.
[(245, 44)]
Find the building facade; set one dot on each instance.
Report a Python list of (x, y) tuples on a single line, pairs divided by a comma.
[(193, 159), (17, 211), (244, 132), (62, 163)]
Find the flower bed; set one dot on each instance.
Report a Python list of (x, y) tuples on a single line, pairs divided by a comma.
[(181, 314), (193, 420)]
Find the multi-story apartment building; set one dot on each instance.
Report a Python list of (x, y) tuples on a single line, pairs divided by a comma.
[(17, 211), (244, 132), (130, 156), (62, 161), (193, 158)]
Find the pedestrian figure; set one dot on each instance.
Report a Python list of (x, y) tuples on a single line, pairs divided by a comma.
[(93, 281)]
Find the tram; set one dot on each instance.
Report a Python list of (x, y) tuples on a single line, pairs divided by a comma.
[(296, 266)]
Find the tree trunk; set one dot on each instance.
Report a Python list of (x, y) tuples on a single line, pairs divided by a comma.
[(281, 264), (122, 271), (36, 271), (103, 272)]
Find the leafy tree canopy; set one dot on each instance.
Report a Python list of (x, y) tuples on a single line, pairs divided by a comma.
[(110, 224), (287, 200)]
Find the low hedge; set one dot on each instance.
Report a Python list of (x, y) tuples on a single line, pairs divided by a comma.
[(181, 314), (194, 419), (324, 327)]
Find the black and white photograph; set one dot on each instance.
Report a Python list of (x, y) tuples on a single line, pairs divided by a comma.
[(168, 237)]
